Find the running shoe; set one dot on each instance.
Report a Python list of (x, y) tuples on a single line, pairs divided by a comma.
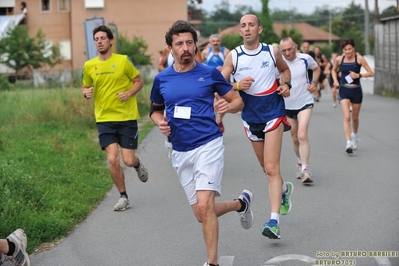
[(207, 264), (271, 229), (349, 148), (246, 216), (142, 172), (286, 204), (20, 256), (354, 140), (122, 205), (306, 177)]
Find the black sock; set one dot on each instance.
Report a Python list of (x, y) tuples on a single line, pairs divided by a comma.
[(123, 194), (243, 205), (137, 167), (210, 264), (11, 248)]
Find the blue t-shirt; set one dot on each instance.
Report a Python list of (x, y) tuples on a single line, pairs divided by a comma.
[(194, 89)]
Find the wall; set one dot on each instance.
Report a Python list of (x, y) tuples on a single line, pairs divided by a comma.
[(387, 57), (149, 19)]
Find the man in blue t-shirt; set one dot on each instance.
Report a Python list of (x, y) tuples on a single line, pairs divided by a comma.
[(188, 93)]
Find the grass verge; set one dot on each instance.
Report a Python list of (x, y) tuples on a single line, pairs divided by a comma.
[(52, 170)]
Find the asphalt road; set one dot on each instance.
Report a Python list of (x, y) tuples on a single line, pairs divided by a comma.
[(350, 211)]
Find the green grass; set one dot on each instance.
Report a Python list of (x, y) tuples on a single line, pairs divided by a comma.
[(52, 170)]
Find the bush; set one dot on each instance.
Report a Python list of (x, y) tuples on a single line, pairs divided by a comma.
[(4, 84)]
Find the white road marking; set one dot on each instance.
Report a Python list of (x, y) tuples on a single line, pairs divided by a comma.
[(292, 257), (289, 257)]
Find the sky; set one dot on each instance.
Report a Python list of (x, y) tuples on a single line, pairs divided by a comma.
[(301, 6)]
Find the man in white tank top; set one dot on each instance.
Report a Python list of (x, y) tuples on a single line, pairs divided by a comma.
[(253, 66)]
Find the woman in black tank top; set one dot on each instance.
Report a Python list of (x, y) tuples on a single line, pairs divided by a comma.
[(350, 90)]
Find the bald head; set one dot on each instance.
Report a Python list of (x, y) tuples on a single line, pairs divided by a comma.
[(250, 18)]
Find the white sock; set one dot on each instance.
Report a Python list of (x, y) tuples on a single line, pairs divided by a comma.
[(299, 161), (275, 216), (304, 166)]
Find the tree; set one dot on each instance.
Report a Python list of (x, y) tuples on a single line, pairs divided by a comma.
[(135, 50), (20, 51), (222, 18), (268, 35), (293, 33), (231, 41)]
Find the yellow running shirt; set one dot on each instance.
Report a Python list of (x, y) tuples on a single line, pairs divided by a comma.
[(108, 78)]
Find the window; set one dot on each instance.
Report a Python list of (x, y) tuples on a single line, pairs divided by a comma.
[(46, 5), (94, 4), (65, 49), (63, 5)]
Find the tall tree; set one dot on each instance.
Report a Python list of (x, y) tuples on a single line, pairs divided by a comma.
[(268, 35), (22, 51)]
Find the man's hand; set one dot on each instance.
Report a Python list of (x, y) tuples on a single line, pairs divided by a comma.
[(220, 104), (163, 126), (87, 92)]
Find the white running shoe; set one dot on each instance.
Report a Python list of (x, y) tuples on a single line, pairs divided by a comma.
[(306, 176), (20, 256), (349, 148), (142, 172), (122, 205), (354, 140), (246, 216)]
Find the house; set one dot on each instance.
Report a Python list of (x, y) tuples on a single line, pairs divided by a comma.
[(311, 34), (63, 22)]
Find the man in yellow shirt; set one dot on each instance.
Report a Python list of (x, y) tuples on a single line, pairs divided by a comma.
[(113, 81)]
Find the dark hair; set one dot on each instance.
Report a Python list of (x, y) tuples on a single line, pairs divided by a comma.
[(180, 26), (23, 4), (105, 29), (346, 42)]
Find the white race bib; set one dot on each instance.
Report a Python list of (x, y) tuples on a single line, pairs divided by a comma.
[(182, 112)]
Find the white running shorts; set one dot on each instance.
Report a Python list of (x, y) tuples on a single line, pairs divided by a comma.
[(200, 169)]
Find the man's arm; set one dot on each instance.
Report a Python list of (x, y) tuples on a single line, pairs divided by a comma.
[(162, 60), (137, 85), (158, 117), (285, 73), (204, 54), (231, 102)]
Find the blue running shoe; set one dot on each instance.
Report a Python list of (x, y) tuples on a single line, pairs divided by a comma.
[(271, 229)]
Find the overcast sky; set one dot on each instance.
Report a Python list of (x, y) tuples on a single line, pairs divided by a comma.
[(302, 6)]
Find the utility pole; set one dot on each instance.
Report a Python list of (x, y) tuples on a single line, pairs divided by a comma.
[(329, 27), (366, 27), (377, 13)]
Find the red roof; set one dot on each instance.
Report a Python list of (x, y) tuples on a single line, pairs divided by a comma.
[(309, 33)]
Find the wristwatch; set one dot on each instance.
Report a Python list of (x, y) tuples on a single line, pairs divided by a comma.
[(315, 83), (288, 84)]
